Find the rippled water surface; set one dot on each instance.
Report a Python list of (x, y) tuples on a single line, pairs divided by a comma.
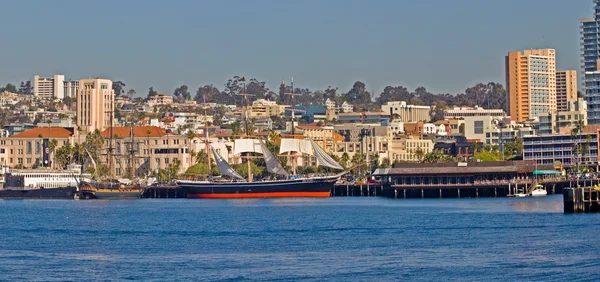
[(334, 239)]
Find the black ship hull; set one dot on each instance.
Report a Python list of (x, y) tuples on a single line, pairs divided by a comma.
[(310, 187), (47, 193)]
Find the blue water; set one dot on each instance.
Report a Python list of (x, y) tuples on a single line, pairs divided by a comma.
[(334, 239)]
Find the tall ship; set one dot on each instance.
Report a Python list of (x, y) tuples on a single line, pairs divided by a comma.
[(112, 187), (288, 186), (292, 186), (42, 183)]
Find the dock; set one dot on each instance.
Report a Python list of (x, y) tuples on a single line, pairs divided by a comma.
[(581, 200), (357, 190), (163, 192)]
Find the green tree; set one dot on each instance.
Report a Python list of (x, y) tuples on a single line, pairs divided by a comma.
[(419, 154), (358, 95), (63, 156), (151, 92), (437, 113), (488, 156), (182, 93), (242, 169), (437, 157), (174, 168), (52, 144), (513, 148), (119, 88)]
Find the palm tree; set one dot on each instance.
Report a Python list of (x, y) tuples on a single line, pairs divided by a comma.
[(148, 132), (190, 136), (52, 147), (39, 147)]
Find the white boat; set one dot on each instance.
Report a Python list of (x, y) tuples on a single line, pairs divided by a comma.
[(538, 191), (521, 195)]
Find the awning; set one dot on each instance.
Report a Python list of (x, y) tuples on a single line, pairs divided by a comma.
[(546, 172)]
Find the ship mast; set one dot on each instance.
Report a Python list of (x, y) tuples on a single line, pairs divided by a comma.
[(292, 94), (109, 155), (206, 143), (131, 151), (245, 95)]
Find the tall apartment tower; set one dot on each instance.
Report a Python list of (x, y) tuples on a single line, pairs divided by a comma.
[(566, 89), (71, 87), (49, 87), (95, 104), (590, 41), (531, 83)]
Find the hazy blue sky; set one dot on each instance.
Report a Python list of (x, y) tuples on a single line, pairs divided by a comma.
[(444, 45)]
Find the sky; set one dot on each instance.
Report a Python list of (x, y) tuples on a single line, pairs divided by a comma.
[(446, 46)]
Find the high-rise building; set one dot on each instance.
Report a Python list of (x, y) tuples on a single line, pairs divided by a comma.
[(95, 104), (566, 89), (49, 87), (592, 96), (590, 41), (71, 87), (531, 83)]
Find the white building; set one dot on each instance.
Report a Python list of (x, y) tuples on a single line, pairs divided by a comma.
[(264, 102), (49, 87), (264, 124), (71, 87), (329, 104), (347, 107), (430, 128), (400, 111), (461, 112)]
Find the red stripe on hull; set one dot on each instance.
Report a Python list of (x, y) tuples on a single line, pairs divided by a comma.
[(261, 195)]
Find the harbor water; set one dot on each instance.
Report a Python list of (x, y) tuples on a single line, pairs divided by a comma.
[(330, 239)]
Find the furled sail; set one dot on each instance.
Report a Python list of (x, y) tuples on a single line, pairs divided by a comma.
[(295, 145), (223, 166), (273, 165), (247, 146), (324, 159)]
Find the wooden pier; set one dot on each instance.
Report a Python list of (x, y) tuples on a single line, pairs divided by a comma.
[(581, 200), (163, 191), (356, 190)]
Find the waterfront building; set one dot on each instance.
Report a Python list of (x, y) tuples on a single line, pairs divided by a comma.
[(401, 111), (464, 179), (29, 149), (368, 145), (409, 149), (455, 145), (49, 87), (95, 104), (154, 148), (460, 112), (558, 149), (566, 89), (531, 83)]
